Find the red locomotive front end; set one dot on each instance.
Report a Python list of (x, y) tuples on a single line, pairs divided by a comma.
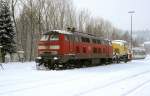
[(53, 48)]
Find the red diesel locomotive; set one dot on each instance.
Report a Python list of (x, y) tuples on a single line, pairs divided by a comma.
[(71, 49)]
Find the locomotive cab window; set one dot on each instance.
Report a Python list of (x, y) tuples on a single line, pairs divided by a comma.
[(94, 41), (54, 37), (84, 39), (98, 42), (44, 37), (105, 42)]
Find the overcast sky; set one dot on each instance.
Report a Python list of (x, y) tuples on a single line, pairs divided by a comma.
[(116, 11)]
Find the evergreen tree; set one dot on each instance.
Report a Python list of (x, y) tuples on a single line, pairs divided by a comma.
[(7, 33)]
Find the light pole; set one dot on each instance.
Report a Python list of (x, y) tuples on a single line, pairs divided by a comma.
[(131, 13)]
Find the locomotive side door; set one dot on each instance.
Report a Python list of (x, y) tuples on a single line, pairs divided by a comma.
[(71, 44)]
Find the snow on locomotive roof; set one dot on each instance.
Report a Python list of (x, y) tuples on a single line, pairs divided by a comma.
[(122, 41), (59, 31)]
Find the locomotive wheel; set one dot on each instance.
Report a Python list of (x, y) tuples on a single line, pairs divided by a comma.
[(56, 67), (103, 61), (51, 65), (125, 60), (87, 63)]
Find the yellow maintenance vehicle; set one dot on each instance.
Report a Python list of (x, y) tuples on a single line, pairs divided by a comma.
[(121, 51)]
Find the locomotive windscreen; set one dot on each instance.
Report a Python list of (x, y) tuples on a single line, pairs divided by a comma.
[(44, 38), (54, 37), (50, 36)]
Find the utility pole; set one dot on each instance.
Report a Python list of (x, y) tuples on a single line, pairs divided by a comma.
[(131, 13)]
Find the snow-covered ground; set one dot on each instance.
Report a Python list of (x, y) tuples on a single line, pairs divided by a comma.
[(125, 79)]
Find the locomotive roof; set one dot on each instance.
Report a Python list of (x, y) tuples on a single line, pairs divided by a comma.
[(87, 35), (58, 31), (76, 33)]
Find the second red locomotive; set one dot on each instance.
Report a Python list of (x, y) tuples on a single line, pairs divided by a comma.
[(69, 49)]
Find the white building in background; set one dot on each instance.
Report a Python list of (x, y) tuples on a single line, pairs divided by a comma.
[(138, 53), (147, 47)]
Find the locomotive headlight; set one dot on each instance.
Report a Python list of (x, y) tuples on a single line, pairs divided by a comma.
[(55, 58), (39, 57), (54, 47)]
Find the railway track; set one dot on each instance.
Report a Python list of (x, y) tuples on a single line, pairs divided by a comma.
[(41, 83), (136, 88), (117, 82)]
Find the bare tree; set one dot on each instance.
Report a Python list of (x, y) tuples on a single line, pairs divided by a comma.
[(82, 19)]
